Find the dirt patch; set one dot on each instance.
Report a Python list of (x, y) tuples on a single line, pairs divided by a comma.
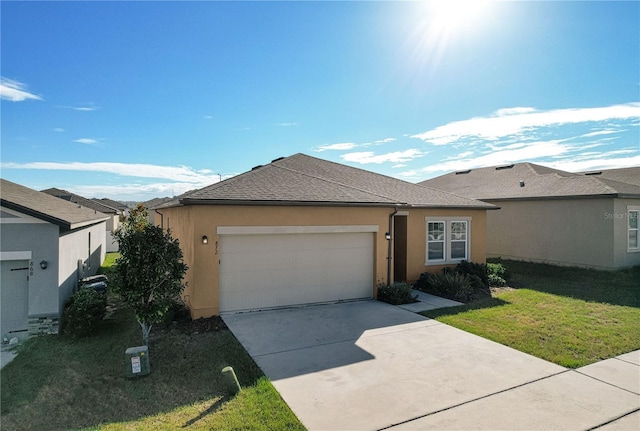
[(497, 290), (198, 326)]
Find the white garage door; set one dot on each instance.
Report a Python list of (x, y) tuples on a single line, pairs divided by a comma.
[(14, 295), (274, 270)]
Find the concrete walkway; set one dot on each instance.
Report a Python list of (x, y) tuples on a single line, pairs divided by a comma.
[(428, 302), (6, 357), (370, 366)]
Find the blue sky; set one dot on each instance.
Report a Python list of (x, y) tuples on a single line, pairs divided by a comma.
[(135, 100)]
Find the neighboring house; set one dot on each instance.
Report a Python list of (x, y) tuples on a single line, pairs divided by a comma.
[(151, 206), (303, 230), (120, 206), (47, 245), (112, 212), (552, 216)]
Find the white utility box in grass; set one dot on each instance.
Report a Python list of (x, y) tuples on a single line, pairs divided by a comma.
[(137, 359)]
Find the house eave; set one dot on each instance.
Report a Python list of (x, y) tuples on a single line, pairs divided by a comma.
[(331, 204), (63, 224), (562, 197)]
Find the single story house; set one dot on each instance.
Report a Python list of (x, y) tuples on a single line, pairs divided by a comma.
[(47, 245), (111, 211), (552, 216), (302, 230)]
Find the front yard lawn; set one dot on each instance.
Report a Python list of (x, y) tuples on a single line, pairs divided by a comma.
[(572, 317), (62, 383)]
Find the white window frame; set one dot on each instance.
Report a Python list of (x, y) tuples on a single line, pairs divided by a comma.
[(443, 241), (629, 229), (448, 239)]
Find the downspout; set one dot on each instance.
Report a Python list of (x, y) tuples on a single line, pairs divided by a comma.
[(161, 218), (389, 239)]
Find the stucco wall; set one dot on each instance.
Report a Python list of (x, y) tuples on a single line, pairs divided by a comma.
[(572, 232), (41, 239), (74, 246), (190, 223), (623, 257)]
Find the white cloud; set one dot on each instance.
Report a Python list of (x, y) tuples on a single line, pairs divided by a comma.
[(513, 121), (208, 117), (593, 164), (366, 157), (87, 141), (15, 91), (88, 108), (599, 133), (532, 151), (287, 124), (185, 174), (337, 147), (58, 129)]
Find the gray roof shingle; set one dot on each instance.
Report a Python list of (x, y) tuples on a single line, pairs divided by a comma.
[(622, 175), (89, 203), (539, 182), (65, 214), (302, 179)]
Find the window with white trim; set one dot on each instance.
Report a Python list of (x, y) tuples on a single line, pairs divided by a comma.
[(447, 240), (633, 243)]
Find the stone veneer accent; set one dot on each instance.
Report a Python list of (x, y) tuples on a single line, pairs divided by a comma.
[(41, 325)]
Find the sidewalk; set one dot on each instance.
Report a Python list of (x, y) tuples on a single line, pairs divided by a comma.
[(428, 302)]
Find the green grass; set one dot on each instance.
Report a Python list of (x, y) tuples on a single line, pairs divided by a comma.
[(569, 316), (61, 383)]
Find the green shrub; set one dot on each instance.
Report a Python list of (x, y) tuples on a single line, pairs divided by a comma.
[(396, 294), (478, 271), (466, 282), (497, 274), (452, 285), (84, 312)]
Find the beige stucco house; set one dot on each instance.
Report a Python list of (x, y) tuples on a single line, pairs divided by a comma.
[(552, 216), (303, 230)]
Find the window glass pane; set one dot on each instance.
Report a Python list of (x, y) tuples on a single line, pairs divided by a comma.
[(633, 239), (458, 249), (633, 219), (436, 251), (436, 231), (459, 230)]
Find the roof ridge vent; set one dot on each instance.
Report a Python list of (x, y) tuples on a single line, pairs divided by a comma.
[(499, 168), (277, 160), (256, 167), (594, 173), (463, 172)]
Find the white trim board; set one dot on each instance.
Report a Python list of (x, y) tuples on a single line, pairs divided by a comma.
[(271, 230)]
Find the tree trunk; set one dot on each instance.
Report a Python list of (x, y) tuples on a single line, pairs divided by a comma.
[(146, 329)]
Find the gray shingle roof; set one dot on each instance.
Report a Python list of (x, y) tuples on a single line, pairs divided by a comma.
[(504, 182), (622, 175), (302, 179), (89, 203), (65, 214)]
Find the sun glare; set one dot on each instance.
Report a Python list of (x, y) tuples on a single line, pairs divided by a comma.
[(451, 15)]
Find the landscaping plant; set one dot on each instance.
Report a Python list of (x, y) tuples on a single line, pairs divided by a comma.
[(396, 294), (149, 272), (83, 312)]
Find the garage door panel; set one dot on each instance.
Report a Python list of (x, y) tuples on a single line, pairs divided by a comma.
[(262, 271)]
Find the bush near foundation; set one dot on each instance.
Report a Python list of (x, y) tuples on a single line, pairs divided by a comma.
[(84, 312), (396, 294), (467, 282)]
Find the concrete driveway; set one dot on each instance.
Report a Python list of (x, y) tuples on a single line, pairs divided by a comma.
[(368, 366)]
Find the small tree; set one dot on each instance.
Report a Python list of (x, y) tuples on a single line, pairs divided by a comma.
[(149, 271)]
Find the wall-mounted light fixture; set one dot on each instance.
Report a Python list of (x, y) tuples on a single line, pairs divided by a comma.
[(205, 240), (387, 235), (44, 264)]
